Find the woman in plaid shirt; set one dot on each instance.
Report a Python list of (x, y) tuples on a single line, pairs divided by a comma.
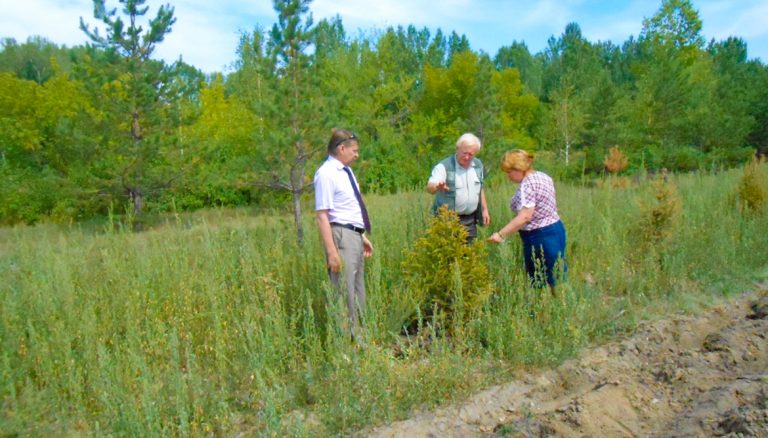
[(537, 221)]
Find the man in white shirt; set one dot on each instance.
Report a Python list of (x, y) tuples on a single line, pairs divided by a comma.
[(343, 222), (457, 181)]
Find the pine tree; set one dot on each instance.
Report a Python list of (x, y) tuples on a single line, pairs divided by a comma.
[(289, 41), (136, 85)]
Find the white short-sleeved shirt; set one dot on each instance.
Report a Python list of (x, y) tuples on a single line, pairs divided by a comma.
[(334, 192), (467, 188)]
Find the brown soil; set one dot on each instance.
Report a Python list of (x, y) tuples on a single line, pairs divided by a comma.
[(689, 376)]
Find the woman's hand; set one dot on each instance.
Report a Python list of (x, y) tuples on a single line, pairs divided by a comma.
[(495, 238)]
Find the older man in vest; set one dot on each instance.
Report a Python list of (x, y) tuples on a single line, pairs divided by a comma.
[(457, 181)]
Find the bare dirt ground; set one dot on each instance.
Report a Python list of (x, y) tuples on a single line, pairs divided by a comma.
[(688, 376)]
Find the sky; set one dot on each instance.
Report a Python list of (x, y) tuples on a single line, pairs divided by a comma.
[(207, 32)]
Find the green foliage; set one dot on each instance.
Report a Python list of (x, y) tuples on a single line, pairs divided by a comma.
[(447, 94), (517, 109), (134, 97), (660, 216), (291, 146), (19, 127), (657, 226), (120, 126), (37, 59), (729, 157), (223, 148), (553, 164), (27, 197), (676, 24), (684, 158), (757, 84), (446, 274), (40, 124), (517, 56), (217, 323)]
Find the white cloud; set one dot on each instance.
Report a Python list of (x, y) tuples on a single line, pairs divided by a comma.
[(744, 21), (204, 35), (549, 14), (207, 32), (380, 14), (56, 21)]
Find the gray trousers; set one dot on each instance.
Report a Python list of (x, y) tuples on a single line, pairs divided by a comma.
[(350, 246)]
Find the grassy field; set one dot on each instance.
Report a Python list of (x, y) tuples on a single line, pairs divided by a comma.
[(218, 323)]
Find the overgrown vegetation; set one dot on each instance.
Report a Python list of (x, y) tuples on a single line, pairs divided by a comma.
[(657, 227), (217, 323), (615, 161), (89, 127), (752, 187), (444, 275)]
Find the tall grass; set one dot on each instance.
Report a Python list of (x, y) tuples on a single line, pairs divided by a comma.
[(220, 324)]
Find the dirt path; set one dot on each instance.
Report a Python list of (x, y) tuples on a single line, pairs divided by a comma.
[(704, 375)]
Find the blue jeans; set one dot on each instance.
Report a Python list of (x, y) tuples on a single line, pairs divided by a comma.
[(542, 248)]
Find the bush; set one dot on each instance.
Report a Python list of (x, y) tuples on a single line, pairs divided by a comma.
[(684, 158), (649, 157), (751, 190), (730, 157), (447, 275), (553, 164), (615, 161), (29, 196), (658, 222), (593, 160)]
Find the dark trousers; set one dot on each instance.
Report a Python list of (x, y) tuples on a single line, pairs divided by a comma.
[(542, 248), (469, 221)]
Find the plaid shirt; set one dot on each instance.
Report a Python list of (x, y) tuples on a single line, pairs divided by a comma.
[(538, 191)]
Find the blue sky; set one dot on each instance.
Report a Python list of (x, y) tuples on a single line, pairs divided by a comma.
[(206, 32)]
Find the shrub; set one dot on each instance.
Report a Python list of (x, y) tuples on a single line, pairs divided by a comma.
[(447, 275), (650, 157), (683, 158), (593, 160), (659, 218), (751, 189), (28, 196), (555, 166), (729, 157), (615, 161), (658, 221)]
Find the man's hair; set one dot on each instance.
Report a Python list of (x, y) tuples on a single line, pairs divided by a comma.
[(339, 136), (468, 138)]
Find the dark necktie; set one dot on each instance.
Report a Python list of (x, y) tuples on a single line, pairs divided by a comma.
[(363, 210)]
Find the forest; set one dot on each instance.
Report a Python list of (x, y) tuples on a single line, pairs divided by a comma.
[(105, 128)]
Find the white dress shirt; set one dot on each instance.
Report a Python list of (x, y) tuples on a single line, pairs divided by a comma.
[(334, 192)]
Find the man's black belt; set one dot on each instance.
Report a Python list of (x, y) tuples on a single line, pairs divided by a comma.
[(349, 227)]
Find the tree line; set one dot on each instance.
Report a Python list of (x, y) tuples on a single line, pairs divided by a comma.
[(104, 126)]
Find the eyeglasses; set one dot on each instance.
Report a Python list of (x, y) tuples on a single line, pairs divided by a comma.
[(352, 136)]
